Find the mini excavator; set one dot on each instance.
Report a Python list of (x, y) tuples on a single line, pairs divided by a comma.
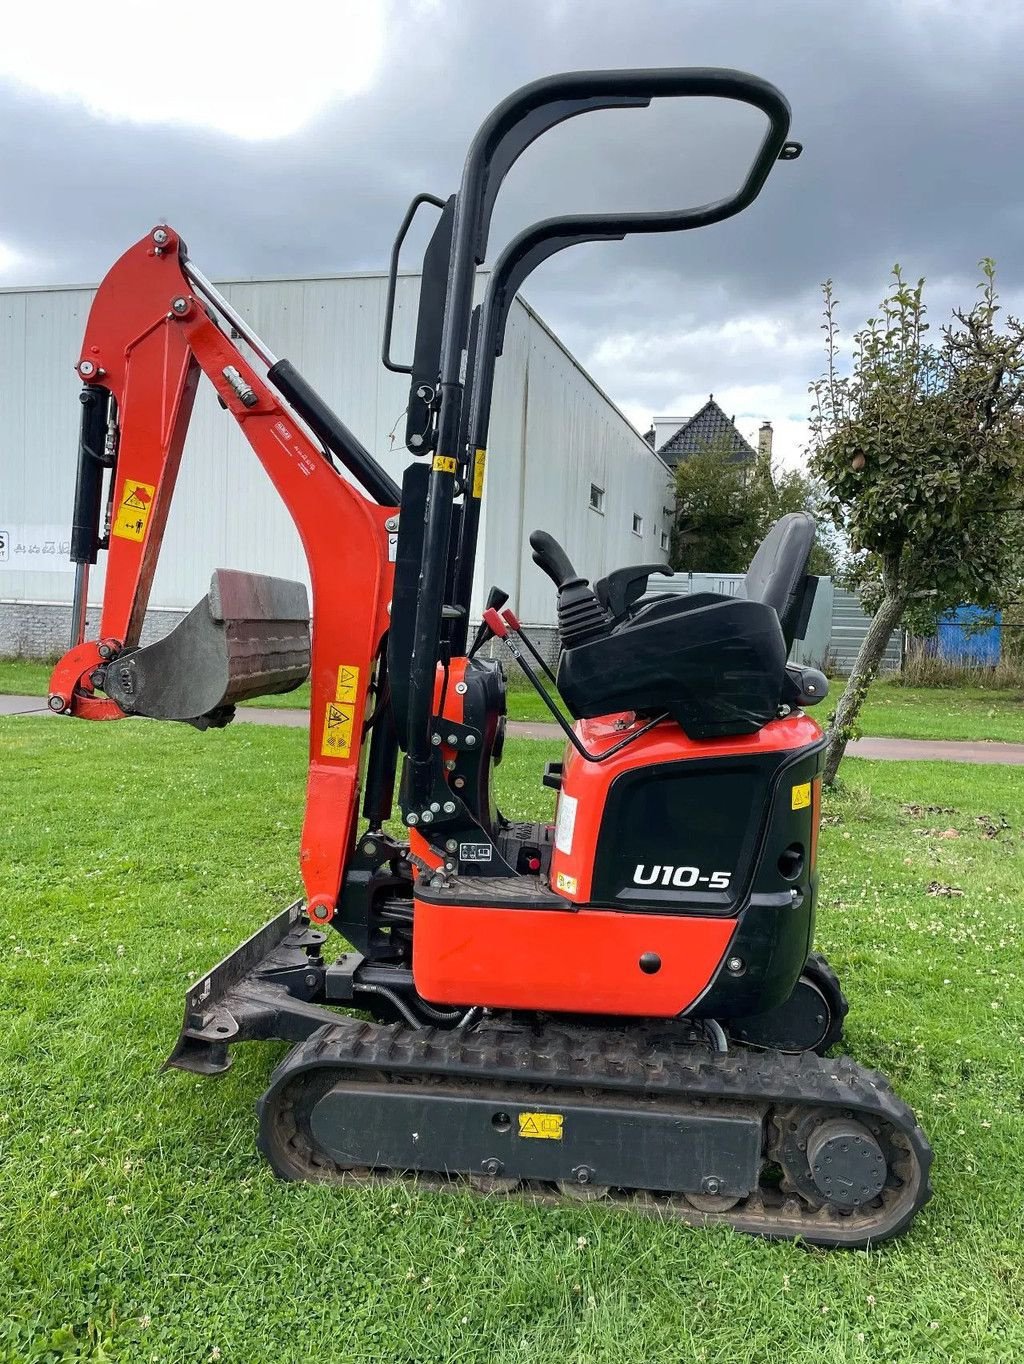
[(618, 1004)]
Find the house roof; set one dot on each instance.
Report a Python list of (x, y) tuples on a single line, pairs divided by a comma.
[(709, 426)]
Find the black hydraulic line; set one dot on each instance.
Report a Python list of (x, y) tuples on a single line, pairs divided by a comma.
[(382, 759), (328, 427), (394, 999), (471, 475), (504, 135)]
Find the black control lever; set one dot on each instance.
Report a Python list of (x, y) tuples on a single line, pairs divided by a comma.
[(549, 556), (625, 586), (496, 599), (580, 615)]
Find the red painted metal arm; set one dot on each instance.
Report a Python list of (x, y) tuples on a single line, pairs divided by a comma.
[(146, 364), (147, 339)]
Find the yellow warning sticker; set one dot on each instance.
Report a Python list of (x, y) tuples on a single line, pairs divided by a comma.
[(133, 513), (479, 465), (338, 725), (348, 684), (445, 464), (802, 796), (567, 883), (547, 1125)]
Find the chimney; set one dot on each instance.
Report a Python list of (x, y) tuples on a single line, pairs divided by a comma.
[(764, 441)]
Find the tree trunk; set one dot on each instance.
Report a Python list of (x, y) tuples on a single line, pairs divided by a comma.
[(885, 620)]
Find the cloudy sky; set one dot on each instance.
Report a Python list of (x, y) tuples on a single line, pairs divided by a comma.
[(286, 139)]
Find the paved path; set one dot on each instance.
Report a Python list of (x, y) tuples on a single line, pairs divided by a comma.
[(936, 750)]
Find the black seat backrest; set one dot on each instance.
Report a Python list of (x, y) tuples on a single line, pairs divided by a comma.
[(777, 574)]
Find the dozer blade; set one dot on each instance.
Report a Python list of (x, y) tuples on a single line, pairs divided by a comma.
[(261, 990), (249, 636)]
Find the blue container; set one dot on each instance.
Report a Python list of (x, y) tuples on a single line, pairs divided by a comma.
[(963, 638)]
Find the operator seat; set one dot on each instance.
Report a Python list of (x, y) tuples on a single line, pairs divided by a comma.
[(777, 574), (715, 664)]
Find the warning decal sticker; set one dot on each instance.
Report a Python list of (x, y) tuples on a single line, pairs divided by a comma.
[(338, 725), (133, 513), (547, 1125), (348, 684), (445, 464), (479, 465), (339, 719), (802, 796)]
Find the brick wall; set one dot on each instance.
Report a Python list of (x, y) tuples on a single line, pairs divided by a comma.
[(43, 629)]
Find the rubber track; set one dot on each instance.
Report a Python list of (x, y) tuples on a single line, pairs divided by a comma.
[(643, 1061)]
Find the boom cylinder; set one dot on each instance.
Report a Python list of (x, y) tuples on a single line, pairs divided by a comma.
[(85, 521)]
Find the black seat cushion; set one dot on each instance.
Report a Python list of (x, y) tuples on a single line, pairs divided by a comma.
[(714, 664), (777, 574)]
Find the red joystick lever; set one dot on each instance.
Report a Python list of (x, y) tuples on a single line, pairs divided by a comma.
[(511, 620), (495, 623)]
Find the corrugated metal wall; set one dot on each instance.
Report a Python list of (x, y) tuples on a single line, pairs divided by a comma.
[(551, 426), (557, 434), (849, 626)]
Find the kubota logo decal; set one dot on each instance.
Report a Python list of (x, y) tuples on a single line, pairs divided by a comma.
[(680, 877)]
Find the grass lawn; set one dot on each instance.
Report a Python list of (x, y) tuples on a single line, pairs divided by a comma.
[(941, 713), (138, 1224), (900, 712)]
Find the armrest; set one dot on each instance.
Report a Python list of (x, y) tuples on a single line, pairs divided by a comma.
[(625, 586)]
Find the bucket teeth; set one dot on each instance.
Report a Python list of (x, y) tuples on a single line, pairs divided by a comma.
[(248, 637)]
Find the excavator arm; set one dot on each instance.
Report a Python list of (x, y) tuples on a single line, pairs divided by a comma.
[(155, 326)]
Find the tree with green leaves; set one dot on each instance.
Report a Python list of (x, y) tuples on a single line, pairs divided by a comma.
[(919, 445), (725, 508)]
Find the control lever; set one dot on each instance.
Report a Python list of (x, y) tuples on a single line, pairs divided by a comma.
[(549, 555), (496, 599), (512, 621), (581, 617), (625, 586)]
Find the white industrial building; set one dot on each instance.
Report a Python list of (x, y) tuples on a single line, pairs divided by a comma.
[(562, 456)]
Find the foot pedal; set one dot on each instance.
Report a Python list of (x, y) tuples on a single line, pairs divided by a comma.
[(249, 636)]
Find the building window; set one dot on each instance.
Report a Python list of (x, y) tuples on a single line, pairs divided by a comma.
[(664, 540), (638, 524), (596, 498)]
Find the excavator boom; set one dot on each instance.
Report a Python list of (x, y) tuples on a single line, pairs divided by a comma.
[(156, 326)]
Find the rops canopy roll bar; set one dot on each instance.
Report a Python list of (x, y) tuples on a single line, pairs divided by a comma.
[(501, 139)]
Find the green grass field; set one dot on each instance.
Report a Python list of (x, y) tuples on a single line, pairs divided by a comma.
[(899, 712), (138, 1224), (938, 713)]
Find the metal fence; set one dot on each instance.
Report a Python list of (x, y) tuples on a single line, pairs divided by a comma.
[(849, 626)]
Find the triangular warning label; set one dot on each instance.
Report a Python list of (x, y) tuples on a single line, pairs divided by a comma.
[(137, 496), (336, 716), (528, 1126)]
